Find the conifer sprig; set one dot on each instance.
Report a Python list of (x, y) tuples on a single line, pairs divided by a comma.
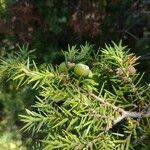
[(100, 111)]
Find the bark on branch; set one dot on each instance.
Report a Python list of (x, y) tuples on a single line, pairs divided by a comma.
[(124, 113)]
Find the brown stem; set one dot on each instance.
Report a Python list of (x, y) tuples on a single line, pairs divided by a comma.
[(124, 113)]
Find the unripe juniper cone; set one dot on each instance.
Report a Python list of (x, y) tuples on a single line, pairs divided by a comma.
[(63, 67), (81, 70)]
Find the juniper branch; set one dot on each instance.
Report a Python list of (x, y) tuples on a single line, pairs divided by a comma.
[(124, 113)]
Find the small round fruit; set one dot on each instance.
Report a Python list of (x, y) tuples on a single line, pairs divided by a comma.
[(63, 67), (131, 70), (81, 70)]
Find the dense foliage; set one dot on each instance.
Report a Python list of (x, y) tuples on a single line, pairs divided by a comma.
[(48, 26), (92, 101)]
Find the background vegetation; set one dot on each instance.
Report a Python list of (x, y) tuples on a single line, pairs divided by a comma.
[(48, 26)]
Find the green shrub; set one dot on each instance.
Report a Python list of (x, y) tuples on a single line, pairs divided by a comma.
[(106, 108)]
